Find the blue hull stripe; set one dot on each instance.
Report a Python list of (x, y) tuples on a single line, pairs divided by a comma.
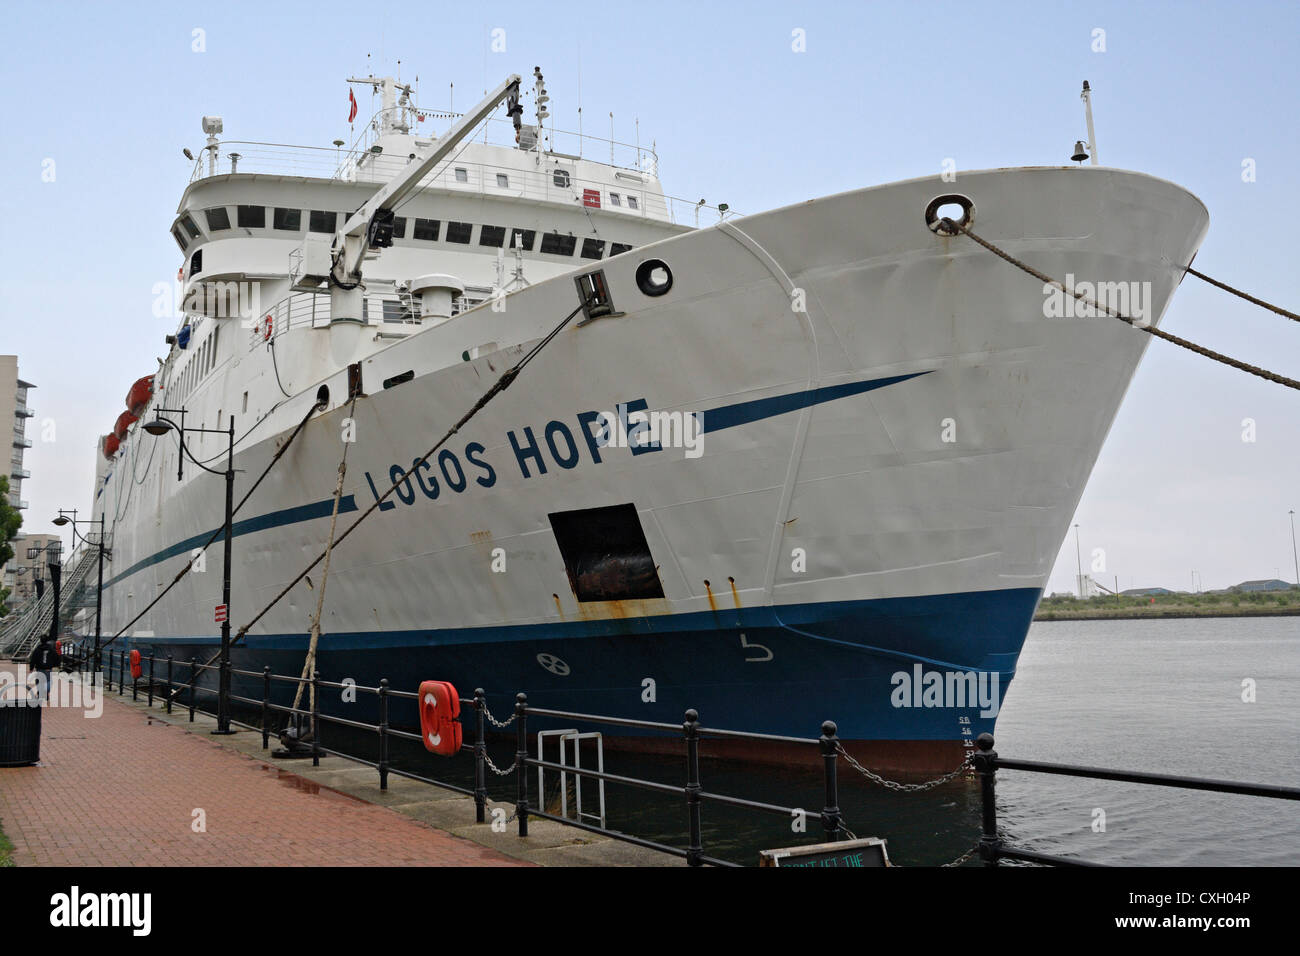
[(728, 416)]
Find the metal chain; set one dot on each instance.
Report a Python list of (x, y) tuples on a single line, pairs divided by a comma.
[(496, 723), (954, 228), (894, 784), (496, 770), (964, 857)]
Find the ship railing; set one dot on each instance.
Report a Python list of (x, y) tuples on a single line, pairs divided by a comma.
[(392, 312), (639, 195), (169, 679)]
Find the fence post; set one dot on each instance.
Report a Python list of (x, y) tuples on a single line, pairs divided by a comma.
[(383, 733), (521, 767), (480, 751), (830, 751), (691, 728), (121, 672), (315, 718), (108, 673), (169, 683), (985, 762), (194, 684), (135, 686), (151, 682), (266, 707)]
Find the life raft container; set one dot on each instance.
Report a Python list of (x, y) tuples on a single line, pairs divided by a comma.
[(124, 421), (136, 670), (439, 708), (111, 444), (138, 397)]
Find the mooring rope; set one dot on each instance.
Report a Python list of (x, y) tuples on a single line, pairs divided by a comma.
[(216, 534), (1149, 329), (309, 664), (497, 388), (1244, 295)]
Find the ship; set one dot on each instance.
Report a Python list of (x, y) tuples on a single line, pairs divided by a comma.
[(782, 467)]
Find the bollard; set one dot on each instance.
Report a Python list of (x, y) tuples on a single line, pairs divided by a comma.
[(266, 707), (985, 763), (691, 729), (521, 766), (194, 683), (480, 753), (151, 682), (383, 733), (315, 718), (169, 683), (831, 813)]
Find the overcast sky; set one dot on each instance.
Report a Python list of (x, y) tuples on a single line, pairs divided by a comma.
[(882, 91)]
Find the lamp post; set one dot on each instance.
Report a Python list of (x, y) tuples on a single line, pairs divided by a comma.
[(1078, 554), (64, 519), (160, 426)]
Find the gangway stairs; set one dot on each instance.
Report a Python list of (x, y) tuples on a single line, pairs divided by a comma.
[(33, 622)]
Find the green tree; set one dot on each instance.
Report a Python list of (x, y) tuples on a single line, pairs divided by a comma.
[(11, 520)]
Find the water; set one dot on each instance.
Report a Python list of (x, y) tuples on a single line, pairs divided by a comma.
[(1156, 696)]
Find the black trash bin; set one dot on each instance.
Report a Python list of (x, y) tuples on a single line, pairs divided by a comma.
[(20, 734)]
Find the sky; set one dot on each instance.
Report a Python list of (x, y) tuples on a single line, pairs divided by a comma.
[(99, 100)]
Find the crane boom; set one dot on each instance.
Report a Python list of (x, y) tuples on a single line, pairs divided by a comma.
[(372, 224)]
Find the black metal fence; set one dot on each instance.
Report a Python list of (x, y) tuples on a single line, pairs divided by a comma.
[(984, 762), (118, 673)]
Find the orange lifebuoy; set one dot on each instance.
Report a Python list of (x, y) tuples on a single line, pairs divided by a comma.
[(439, 708), (136, 670), (267, 328)]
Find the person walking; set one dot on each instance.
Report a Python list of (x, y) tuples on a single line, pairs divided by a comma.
[(43, 659)]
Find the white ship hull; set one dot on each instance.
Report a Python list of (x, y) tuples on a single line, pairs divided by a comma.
[(885, 478)]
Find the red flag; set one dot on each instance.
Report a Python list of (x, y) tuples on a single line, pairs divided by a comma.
[(352, 111)]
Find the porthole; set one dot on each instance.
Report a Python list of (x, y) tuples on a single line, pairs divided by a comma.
[(653, 277)]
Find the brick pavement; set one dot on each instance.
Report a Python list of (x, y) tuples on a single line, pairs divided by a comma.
[(121, 790)]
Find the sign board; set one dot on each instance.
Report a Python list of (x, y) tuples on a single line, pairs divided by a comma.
[(220, 615), (868, 851)]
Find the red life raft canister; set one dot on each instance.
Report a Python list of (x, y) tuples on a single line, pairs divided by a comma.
[(136, 670), (138, 397), (439, 708), (111, 444), (124, 421)]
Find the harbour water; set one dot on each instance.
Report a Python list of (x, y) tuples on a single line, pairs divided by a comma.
[(1157, 696)]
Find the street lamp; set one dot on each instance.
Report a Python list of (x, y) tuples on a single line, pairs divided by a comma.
[(64, 519), (160, 426)]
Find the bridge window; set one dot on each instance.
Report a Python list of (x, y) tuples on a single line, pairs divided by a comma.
[(179, 237), (462, 174), (618, 248), (426, 229), (503, 181), (614, 200), (192, 229), (593, 248), (523, 239), (251, 217), (196, 262), (558, 245), (399, 227), (218, 218), (289, 220), (631, 202), (322, 221), (459, 231), (492, 236)]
